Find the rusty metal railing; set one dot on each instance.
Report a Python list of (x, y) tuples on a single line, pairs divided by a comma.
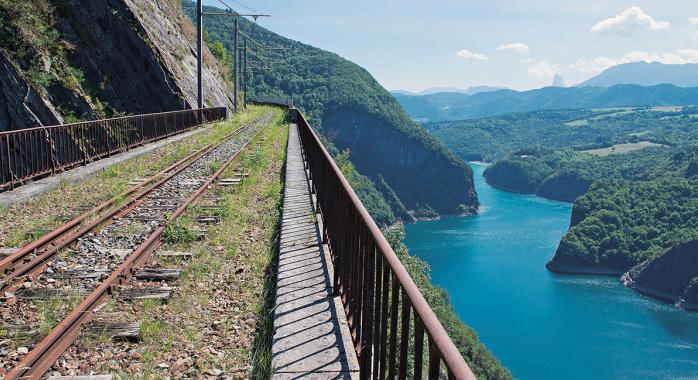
[(387, 314), (27, 154)]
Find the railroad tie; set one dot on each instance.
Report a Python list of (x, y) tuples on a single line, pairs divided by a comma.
[(151, 293), (208, 219), (157, 274), (129, 331), (175, 254)]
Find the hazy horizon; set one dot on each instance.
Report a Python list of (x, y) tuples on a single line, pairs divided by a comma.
[(413, 46)]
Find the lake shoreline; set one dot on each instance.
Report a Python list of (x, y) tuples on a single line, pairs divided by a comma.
[(492, 267)]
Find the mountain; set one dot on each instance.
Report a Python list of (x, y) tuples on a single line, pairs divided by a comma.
[(558, 81), (454, 106), (646, 74), (353, 112), (435, 90)]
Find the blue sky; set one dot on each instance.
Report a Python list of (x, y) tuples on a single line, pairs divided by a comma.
[(414, 45)]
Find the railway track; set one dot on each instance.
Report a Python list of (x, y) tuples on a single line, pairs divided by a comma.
[(87, 259)]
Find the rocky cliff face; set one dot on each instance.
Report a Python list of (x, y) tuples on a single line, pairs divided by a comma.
[(134, 56), (671, 276), (21, 106), (420, 176)]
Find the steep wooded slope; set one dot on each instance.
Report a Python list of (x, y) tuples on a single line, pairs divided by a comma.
[(352, 111)]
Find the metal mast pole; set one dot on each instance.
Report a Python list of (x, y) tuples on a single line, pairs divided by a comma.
[(199, 42), (244, 73), (235, 68)]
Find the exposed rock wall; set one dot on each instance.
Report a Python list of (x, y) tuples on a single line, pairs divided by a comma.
[(166, 29), (669, 276), (21, 106), (128, 57), (418, 175)]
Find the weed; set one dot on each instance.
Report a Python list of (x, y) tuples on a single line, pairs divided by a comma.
[(177, 232)]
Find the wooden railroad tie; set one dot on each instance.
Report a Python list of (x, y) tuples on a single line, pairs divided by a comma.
[(208, 219), (175, 254), (157, 274), (130, 331), (49, 293), (149, 293)]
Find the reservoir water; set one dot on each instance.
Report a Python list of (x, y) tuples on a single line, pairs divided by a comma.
[(543, 325)]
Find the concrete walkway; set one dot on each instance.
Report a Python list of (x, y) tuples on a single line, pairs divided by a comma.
[(31, 190), (311, 335)]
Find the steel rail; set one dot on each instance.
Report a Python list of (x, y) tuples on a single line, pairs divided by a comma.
[(366, 272), (40, 359), (25, 265), (13, 259)]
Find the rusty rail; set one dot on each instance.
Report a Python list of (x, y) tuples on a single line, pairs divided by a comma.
[(387, 314), (40, 359), (27, 154)]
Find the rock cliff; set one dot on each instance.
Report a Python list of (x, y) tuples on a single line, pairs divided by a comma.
[(134, 56), (671, 276)]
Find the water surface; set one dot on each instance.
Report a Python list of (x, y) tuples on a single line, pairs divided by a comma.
[(543, 325)]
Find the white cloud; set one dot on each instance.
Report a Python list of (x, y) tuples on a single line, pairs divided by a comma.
[(630, 21), (516, 46), (467, 54), (600, 64), (544, 69), (693, 21)]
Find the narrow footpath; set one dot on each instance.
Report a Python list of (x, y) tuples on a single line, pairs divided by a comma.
[(311, 335)]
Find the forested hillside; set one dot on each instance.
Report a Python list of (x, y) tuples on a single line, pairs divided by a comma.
[(453, 106), (353, 112), (630, 171), (493, 138)]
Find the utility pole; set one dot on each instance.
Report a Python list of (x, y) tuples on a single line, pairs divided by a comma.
[(244, 73), (235, 67), (199, 42)]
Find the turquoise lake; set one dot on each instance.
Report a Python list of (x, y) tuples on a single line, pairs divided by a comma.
[(543, 325)]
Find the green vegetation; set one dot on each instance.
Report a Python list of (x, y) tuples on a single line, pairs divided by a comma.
[(379, 208), (494, 138), (631, 204), (621, 223), (29, 36), (456, 106), (352, 111), (479, 359), (565, 174)]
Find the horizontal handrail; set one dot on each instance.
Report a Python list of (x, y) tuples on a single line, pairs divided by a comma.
[(30, 153), (387, 314)]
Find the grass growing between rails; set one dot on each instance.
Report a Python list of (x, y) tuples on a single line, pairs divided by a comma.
[(219, 319), (23, 223)]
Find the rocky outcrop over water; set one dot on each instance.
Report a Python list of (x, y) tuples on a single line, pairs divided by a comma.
[(671, 276)]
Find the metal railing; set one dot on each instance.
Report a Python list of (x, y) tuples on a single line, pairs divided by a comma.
[(284, 102), (27, 154), (388, 316)]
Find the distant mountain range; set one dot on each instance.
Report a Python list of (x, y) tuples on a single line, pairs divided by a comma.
[(629, 84), (458, 106), (646, 74), (435, 90)]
